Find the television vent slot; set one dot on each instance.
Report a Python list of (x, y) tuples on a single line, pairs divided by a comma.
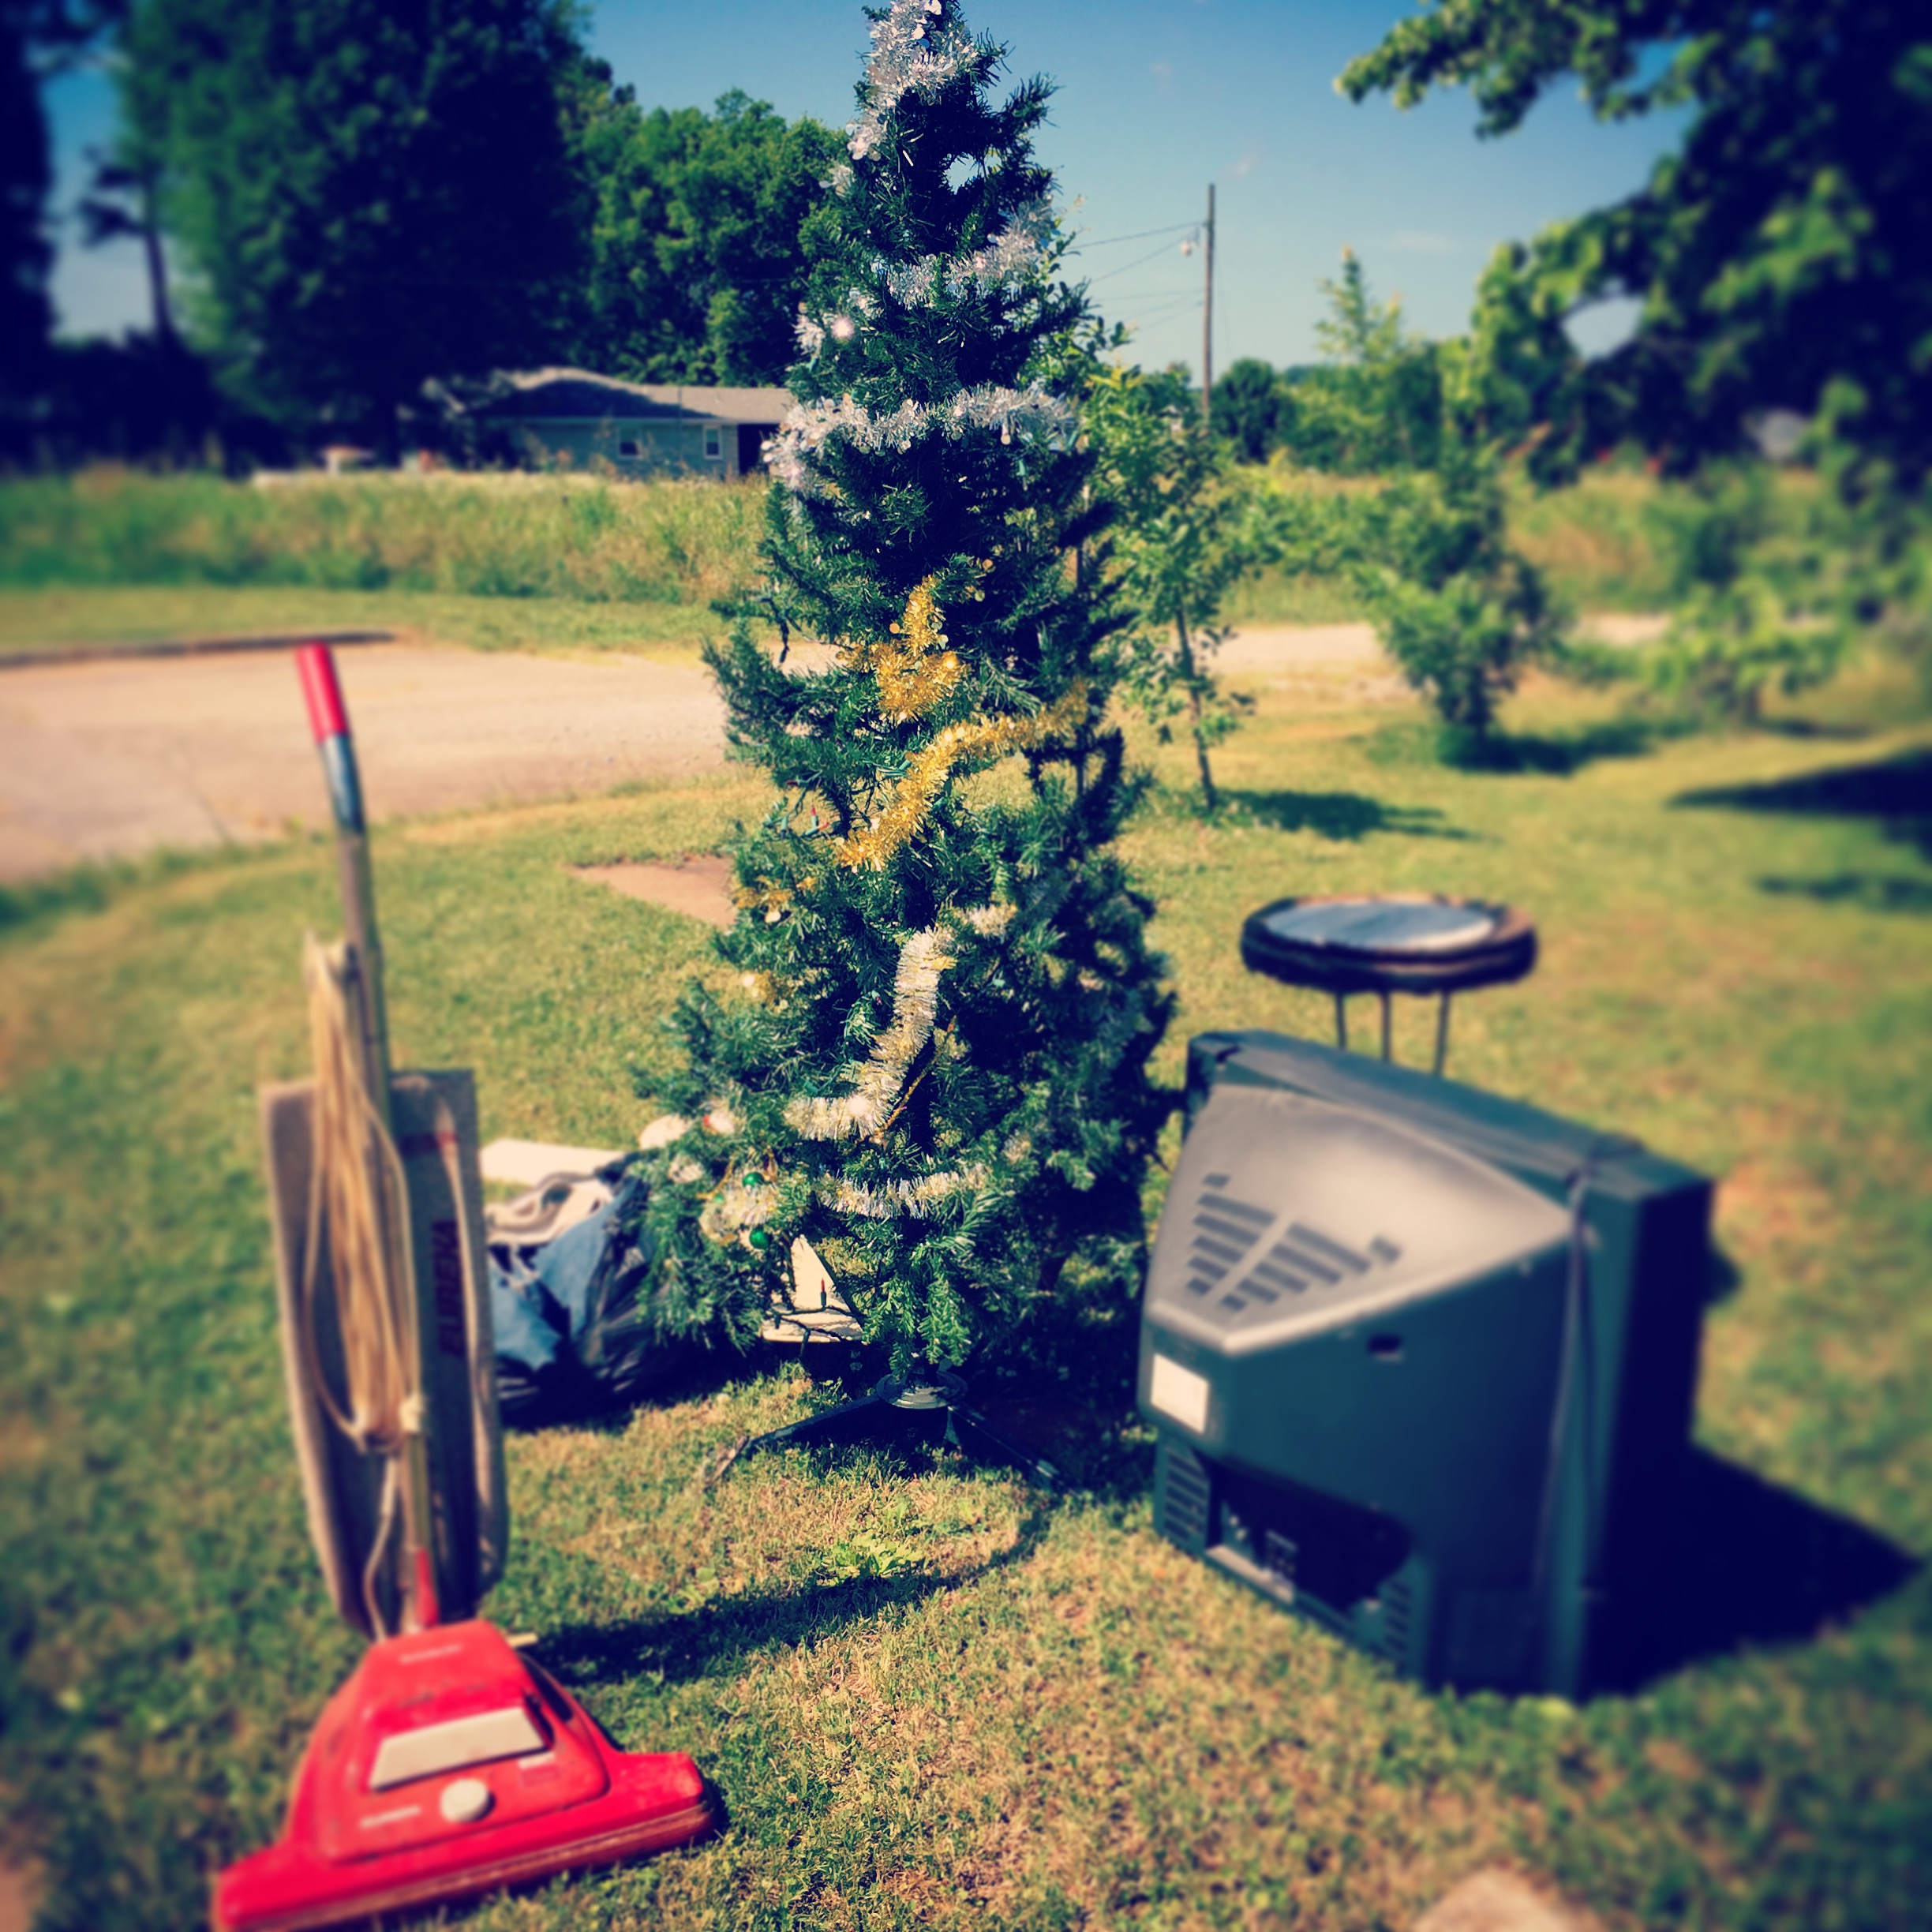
[(1233, 1302), (1384, 1250), (1259, 1291), (1226, 1204), (1216, 1180), (1242, 1238), (1304, 1264), (1333, 1250), (1198, 1287), (1218, 1251), (1395, 1612), (1213, 1269), (1186, 1495), (1266, 1270)]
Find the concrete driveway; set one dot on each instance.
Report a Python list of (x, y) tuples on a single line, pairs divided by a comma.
[(111, 757)]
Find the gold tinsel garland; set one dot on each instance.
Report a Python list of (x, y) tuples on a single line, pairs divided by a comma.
[(913, 672), (914, 675), (980, 742)]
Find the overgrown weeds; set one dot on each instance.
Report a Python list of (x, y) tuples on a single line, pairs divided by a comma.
[(592, 539)]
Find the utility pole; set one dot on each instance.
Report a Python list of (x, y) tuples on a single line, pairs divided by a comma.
[(1207, 323)]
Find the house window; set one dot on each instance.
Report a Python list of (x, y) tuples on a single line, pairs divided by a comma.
[(629, 446), (714, 443)]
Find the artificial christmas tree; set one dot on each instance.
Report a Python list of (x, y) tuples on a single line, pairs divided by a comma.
[(933, 1066)]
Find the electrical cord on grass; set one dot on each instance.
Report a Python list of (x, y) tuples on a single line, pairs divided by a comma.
[(358, 1191)]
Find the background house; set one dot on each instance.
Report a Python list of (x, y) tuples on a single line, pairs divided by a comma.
[(545, 418)]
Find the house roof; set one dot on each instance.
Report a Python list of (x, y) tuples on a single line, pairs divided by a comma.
[(556, 394)]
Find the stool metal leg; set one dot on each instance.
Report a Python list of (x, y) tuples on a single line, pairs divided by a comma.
[(1341, 1023), (1387, 1032), (1442, 1034)]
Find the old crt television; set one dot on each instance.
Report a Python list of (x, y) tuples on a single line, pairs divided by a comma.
[(1422, 1361)]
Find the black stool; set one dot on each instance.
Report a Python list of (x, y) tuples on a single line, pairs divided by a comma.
[(1394, 943)]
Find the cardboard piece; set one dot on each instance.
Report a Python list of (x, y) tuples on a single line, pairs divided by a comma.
[(526, 1163), (435, 1118), (817, 1311)]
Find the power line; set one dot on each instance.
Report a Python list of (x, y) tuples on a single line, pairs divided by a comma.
[(1140, 235), (1153, 294), (1127, 267)]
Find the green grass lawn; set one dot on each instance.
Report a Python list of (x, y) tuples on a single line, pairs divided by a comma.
[(138, 614), (930, 1697)]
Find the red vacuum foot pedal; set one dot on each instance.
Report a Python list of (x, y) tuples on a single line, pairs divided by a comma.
[(450, 1765)]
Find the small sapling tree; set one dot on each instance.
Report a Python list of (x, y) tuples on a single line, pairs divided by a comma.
[(1459, 611), (1185, 532), (933, 1062)]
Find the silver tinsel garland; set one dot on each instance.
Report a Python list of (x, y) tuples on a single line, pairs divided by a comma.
[(789, 456), (909, 54)]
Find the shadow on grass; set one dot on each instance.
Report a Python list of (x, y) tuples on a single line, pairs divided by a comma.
[(1548, 754), (1551, 755), (1896, 792), (1813, 727), (1750, 1563), (1341, 815), (1872, 891), (694, 1643)]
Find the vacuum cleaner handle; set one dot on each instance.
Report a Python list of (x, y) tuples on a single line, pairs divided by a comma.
[(329, 720)]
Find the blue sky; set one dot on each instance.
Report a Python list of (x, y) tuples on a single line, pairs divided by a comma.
[(1156, 99)]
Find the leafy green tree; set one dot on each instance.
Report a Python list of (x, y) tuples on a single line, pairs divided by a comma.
[(705, 231), (368, 195), (934, 1066), (1459, 611), (1779, 254), (1374, 405), (1249, 408), (122, 205), (37, 37), (26, 175), (1186, 530)]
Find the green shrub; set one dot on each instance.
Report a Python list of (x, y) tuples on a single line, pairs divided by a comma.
[(1757, 589)]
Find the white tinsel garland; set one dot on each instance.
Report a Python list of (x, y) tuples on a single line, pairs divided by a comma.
[(1031, 411), (881, 1078), (908, 54), (892, 1198), (1018, 254)]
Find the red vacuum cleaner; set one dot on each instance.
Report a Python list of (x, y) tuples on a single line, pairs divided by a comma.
[(451, 1764)]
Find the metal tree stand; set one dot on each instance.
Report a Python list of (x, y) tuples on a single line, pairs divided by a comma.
[(924, 1410)]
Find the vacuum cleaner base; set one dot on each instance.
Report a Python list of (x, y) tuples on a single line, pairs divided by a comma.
[(448, 1765)]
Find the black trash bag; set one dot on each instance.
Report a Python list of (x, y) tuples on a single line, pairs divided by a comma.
[(575, 1334)]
